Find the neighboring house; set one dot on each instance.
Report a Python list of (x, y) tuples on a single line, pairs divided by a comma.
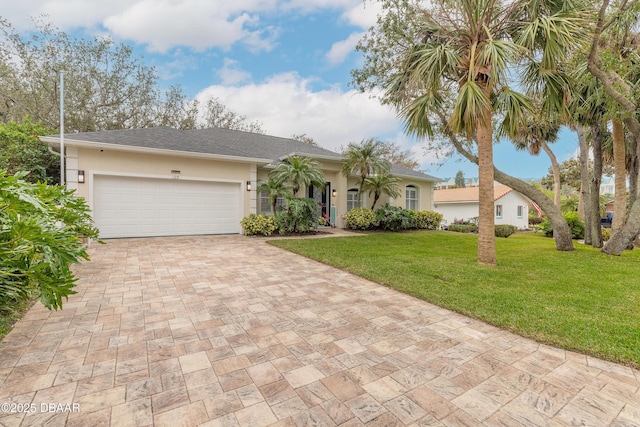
[(448, 183), (510, 207), (608, 185), (162, 181)]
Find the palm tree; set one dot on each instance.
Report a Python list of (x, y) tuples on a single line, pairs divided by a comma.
[(382, 183), (535, 135), (298, 171), (458, 65), (364, 159), (275, 189)]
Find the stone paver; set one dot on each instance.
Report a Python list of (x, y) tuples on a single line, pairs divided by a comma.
[(230, 331)]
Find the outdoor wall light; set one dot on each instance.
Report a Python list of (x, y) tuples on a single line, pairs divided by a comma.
[(81, 177), (248, 185), (334, 193)]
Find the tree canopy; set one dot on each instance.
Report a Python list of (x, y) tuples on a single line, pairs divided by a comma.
[(106, 86)]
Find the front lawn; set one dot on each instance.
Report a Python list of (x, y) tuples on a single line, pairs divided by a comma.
[(582, 300)]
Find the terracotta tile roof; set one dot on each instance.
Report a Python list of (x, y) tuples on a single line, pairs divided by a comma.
[(468, 194)]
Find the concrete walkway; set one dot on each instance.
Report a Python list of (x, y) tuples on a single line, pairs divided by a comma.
[(228, 330)]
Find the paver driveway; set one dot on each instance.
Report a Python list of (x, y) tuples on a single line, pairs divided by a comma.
[(227, 330)]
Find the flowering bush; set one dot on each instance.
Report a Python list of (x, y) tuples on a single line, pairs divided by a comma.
[(259, 224), (360, 219), (428, 220)]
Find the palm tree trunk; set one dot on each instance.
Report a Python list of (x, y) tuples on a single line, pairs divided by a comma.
[(561, 230), (619, 166), (555, 167), (594, 209), (633, 167), (486, 225), (376, 196), (584, 185)]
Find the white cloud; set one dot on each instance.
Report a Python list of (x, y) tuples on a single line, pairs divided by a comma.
[(165, 24), (363, 15), (340, 50), (286, 105), (231, 74)]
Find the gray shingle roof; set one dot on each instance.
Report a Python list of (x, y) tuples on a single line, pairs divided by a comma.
[(219, 141), (260, 146)]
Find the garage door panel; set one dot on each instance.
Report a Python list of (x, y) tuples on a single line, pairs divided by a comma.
[(137, 207)]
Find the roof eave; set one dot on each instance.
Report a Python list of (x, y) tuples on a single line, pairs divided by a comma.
[(55, 142)]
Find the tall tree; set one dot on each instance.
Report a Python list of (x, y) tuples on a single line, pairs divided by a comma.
[(216, 114), (396, 155), (454, 57), (613, 74), (364, 159), (460, 183), (298, 171), (22, 151), (106, 86), (620, 167), (303, 137)]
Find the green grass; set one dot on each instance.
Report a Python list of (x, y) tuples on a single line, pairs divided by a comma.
[(582, 300)]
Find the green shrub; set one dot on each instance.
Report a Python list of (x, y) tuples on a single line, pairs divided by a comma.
[(575, 224), (360, 219), (463, 228), (259, 225), (535, 220), (395, 218), (505, 230), (428, 220), (40, 237), (606, 234), (298, 216)]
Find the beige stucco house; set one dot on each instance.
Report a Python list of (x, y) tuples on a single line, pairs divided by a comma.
[(458, 204), (163, 181)]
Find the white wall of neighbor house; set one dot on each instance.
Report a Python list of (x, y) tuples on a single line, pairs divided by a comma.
[(510, 213), (96, 161), (461, 211)]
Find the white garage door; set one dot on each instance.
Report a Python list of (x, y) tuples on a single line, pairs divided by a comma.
[(139, 207)]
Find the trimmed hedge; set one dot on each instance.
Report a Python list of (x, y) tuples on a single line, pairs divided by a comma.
[(259, 225), (505, 230), (463, 228), (360, 219), (428, 220)]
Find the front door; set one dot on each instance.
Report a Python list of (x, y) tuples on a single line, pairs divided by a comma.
[(322, 198)]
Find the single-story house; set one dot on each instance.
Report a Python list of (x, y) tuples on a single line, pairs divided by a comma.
[(460, 204), (163, 181)]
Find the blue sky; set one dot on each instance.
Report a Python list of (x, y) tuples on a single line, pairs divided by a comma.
[(285, 63)]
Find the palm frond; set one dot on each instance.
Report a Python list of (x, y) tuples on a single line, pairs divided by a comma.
[(469, 108)]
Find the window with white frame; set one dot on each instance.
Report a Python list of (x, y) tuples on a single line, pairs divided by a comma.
[(412, 197), (520, 211), (352, 199), (265, 203), (498, 211)]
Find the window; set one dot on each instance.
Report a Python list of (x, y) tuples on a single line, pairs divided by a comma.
[(265, 203), (498, 211), (520, 211), (352, 199), (411, 198)]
